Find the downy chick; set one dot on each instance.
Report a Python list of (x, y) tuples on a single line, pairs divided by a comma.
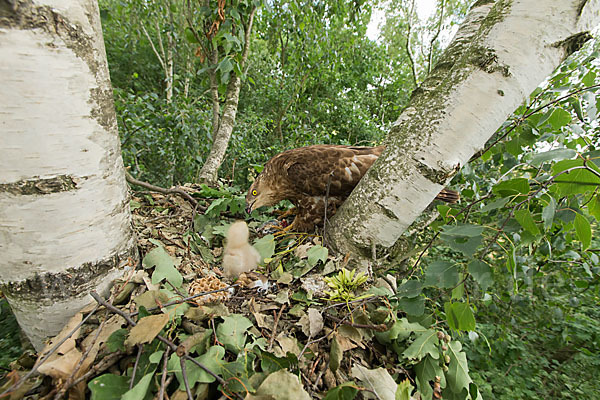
[(239, 255)]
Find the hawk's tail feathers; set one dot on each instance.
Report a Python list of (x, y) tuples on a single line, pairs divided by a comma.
[(449, 196)]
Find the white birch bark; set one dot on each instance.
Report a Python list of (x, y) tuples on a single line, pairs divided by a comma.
[(501, 53), (65, 225)]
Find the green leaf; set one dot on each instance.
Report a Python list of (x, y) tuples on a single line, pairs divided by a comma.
[(523, 216), (594, 207), (442, 274), (499, 203), (316, 254), (548, 213), (427, 370), (265, 246), (212, 359), (138, 392), (512, 187), (457, 376), (410, 289), (425, 343), (560, 118), (189, 36), (574, 101), (282, 385), (404, 390), (414, 306), (336, 353), (459, 316), (270, 363), (401, 330), (116, 341), (552, 155), (164, 266), (583, 230), (575, 181), (345, 391), (232, 332), (589, 79), (465, 238), (108, 387), (463, 230), (378, 380), (482, 273)]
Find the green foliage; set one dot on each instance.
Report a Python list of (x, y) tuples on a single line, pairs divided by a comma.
[(10, 345), (515, 264), (344, 285)]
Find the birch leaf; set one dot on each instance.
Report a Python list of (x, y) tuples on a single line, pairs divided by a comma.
[(425, 343), (378, 380), (458, 370), (282, 385), (232, 332)]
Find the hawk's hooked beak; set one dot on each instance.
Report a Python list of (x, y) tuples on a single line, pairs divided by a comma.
[(249, 208)]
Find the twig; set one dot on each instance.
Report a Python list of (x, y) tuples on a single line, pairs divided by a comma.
[(166, 341), (185, 378), (163, 378), (103, 365), (135, 365), (186, 299), (378, 327), (50, 352), (275, 327), (175, 190), (69, 382)]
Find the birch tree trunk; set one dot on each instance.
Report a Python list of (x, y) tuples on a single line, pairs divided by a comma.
[(500, 54), (65, 225), (211, 166)]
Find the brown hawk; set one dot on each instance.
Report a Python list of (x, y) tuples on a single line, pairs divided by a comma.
[(310, 176)]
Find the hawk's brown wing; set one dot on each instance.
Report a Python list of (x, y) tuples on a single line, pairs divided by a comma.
[(312, 168)]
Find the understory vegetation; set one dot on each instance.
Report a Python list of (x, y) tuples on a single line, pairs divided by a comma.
[(496, 299)]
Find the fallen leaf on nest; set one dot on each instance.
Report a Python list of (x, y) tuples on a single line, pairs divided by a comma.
[(282, 385), (147, 329), (378, 380)]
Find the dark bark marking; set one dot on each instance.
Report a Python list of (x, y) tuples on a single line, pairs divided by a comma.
[(40, 186), (70, 283)]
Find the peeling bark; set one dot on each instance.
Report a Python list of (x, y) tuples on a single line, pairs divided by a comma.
[(502, 51), (65, 226)]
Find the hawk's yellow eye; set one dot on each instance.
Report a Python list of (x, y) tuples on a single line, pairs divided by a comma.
[(254, 193)]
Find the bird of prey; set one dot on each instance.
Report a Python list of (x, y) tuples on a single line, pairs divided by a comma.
[(313, 176)]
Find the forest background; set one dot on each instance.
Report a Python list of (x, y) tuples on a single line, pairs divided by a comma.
[(314, 73)]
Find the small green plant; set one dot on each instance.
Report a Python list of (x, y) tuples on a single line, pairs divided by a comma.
[(344, 285)]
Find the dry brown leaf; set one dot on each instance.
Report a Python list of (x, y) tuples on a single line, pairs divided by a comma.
[(151, 298), (61, 366), (264, 321), (147, 329), (288, 344), (301, 250), (316, 321), (65, 347)]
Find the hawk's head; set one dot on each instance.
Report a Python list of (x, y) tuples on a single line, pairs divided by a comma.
[(261, 193)]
